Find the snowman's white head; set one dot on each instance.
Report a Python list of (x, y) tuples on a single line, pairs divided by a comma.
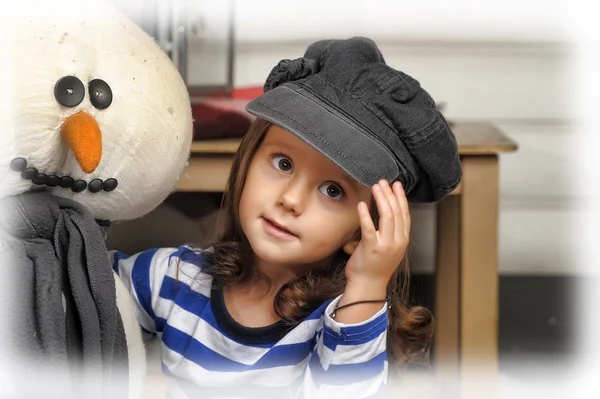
[(95, 110)]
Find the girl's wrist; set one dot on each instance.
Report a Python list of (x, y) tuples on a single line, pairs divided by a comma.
[(355, 293), (364, 288), (367, 282)]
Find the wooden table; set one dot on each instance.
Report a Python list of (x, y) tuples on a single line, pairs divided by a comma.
[(466, 293)]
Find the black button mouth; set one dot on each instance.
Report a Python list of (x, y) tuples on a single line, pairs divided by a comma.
[(54, 180)]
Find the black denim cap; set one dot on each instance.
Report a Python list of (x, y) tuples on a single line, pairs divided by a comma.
[(371, 120)]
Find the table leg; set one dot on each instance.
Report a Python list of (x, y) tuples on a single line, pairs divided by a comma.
[(479, 275), (466, 279), (447, 288)]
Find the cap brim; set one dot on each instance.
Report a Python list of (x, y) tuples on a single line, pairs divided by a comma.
[(328, 131)]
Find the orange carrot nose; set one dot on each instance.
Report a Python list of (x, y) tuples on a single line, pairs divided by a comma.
[(82, 133)]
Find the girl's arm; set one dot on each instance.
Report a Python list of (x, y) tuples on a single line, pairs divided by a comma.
[(150, 276), (349, 360)]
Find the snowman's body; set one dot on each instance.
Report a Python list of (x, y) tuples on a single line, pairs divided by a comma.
[(95, 112)]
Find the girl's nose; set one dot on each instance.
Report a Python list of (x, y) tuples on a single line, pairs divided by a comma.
[(293, 197)]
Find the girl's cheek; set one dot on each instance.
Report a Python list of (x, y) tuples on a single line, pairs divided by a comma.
[(266, 165), (263, 168)]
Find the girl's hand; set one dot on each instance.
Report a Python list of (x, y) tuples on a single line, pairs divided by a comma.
[(379, 252)]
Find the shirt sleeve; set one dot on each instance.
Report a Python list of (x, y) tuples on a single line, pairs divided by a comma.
[(349, 360), (148, 275)]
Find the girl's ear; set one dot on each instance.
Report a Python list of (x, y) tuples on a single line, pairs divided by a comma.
[(350, 246)]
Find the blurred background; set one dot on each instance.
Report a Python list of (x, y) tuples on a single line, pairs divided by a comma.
[(509, 65)]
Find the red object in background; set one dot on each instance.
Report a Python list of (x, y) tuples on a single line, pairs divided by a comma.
[(239, 93), (247, 93), (221, 116)]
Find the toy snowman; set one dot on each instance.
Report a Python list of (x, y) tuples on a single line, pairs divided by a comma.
[(97, 128)]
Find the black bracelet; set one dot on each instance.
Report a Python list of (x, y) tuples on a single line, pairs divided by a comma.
[(387, 299)]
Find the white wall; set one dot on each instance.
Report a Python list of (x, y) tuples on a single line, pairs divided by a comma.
[(457, 20)]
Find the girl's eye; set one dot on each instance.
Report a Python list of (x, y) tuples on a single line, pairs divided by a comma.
[(282, 163), (333, 191)]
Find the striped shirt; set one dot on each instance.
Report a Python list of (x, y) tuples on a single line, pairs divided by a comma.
[(209, 355)]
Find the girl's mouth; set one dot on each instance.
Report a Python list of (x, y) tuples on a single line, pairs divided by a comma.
[(277, 230)]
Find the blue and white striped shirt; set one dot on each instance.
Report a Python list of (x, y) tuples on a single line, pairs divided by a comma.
[(319, 357)]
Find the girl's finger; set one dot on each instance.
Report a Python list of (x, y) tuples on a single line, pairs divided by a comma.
[(396, 210), (404, 209), (386, 214), (367, 228)]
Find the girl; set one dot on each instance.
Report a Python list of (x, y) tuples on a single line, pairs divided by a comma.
[(302, 295)]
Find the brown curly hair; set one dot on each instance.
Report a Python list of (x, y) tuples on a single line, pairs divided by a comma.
[(410, 331)]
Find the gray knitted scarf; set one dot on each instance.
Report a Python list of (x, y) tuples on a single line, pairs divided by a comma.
[(61, 315)]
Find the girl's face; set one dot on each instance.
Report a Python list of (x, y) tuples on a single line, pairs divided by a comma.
[(297, 207)]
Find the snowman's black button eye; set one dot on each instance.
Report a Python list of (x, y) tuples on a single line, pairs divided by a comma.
[(69, 91), (100, 93)]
